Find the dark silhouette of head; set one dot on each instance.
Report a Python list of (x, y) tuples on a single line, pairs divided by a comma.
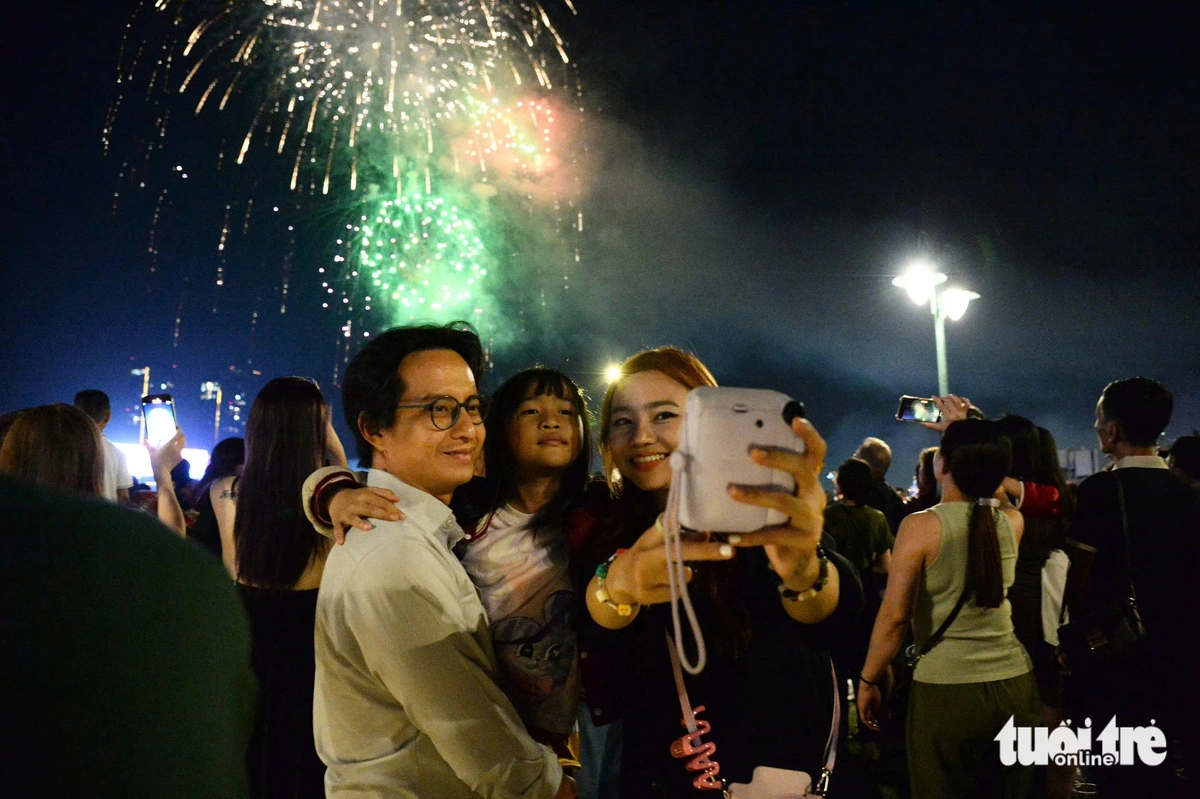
[(1139, 407), (854, 480)]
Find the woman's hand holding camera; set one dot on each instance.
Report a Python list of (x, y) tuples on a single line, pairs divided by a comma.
[(792, 547)]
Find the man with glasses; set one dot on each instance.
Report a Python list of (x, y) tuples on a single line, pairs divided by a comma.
[(406, 701)]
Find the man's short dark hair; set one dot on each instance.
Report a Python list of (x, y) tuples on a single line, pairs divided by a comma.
[(94, 403), (854, 480), (1141, 408), (372, 389)]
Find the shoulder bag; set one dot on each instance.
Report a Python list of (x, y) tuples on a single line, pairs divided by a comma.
[(1110, 634)]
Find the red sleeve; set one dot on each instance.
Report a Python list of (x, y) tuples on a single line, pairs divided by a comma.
[(1041, 501)]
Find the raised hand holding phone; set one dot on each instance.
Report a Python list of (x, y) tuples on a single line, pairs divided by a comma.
[(158, 410)]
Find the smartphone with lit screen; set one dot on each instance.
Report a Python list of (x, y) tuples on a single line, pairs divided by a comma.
[(918, 409), (159, 412)]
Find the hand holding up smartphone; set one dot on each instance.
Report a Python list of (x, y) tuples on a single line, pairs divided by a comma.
[(936, 413), (918, 409), (158, 410)]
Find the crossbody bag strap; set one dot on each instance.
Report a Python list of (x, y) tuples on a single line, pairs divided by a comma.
[(934, 639), (1125, 535), (835, 726)]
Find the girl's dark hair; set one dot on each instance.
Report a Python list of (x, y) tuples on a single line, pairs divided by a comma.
[(1044, 533), (978, 457), (1022, 435), (285, 442), (501, 483), (56, 446), (225, 458)]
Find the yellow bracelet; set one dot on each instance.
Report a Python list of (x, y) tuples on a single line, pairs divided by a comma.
[(602, 596)]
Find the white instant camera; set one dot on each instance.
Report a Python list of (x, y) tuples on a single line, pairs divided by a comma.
[(720, 425)]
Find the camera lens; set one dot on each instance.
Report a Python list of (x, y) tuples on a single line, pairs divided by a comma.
[(758, 423)]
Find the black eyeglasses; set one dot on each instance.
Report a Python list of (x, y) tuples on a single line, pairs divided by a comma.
[(444, 411)]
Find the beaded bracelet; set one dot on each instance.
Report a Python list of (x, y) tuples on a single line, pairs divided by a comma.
[(622, 609), (815, 588)]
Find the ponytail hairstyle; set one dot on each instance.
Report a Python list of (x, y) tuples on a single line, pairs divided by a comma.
[(977, 456)]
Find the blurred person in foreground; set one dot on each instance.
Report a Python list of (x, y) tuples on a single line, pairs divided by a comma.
[(126, 654), (117, 482), (1138, 495)]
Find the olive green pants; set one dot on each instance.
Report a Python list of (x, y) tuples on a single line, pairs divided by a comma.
[(951, 731)]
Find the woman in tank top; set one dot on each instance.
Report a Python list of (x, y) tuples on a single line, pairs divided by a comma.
[(977, 676)]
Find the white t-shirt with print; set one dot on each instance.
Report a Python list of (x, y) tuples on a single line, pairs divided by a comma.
[(525, 587)]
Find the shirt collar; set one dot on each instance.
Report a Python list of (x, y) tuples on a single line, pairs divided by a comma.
[(424, 510), (1140, 462)]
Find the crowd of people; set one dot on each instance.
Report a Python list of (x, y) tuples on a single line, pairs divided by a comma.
[(476, 613)]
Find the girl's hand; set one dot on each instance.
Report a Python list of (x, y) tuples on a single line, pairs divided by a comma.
[(792, 546), (355, 507), (638, 576), (953, 409)]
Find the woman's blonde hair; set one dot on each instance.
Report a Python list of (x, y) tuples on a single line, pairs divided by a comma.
[(57, 446), (682, 367)]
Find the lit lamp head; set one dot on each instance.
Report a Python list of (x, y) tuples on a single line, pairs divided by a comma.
[(612, 372), (920, 280), (955, 302)]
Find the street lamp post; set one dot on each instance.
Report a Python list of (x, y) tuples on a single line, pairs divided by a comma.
[(924, 284), (211, 390), (144, 373)]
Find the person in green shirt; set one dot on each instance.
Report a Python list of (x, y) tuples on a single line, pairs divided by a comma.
[(861, 532)]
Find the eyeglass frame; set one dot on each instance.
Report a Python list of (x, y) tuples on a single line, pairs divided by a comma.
[(456, 414)]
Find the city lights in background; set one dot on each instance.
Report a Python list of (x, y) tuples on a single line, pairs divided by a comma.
[(138, 460)]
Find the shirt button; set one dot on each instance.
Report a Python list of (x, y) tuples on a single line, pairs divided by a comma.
[(597, 712), (583, 655)]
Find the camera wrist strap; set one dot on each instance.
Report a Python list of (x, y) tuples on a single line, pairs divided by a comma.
[(677, 582)]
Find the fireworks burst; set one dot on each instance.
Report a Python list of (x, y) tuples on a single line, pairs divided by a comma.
[(427, 121)]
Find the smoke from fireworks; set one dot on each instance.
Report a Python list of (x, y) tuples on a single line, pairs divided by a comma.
[(429, 122)]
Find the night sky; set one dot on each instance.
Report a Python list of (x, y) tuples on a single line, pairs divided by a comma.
[(754, 175)]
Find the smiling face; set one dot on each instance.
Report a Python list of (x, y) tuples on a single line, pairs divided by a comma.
[(413, 449), (545, 434), (647, 410)]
